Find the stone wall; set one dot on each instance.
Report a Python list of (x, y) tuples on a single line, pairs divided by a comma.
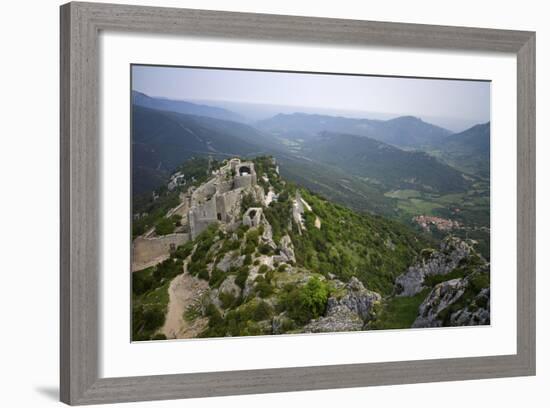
[(150, 251), (201, 216), (253, 217), (243, 181)]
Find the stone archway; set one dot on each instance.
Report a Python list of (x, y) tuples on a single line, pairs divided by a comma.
[(244, 171)]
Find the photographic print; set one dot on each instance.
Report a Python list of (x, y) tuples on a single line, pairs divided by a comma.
[(270, 203)]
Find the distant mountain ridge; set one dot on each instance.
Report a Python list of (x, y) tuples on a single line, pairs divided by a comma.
[(161, 140), (384, 164), (475, 139), (469, 150), (350, 169), (403, 131), (146, 101)]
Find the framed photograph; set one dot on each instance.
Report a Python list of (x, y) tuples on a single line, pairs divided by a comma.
[(262, 203)]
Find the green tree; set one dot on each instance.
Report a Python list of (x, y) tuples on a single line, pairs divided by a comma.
[(165, 226), (307, 302)]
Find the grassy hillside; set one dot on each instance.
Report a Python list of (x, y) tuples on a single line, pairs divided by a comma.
[(337, 185), (348, 243), (372, 248)]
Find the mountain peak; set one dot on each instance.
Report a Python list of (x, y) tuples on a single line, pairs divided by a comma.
[(407, 118)]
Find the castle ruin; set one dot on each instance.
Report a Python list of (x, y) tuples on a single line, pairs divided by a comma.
[(218, 200)]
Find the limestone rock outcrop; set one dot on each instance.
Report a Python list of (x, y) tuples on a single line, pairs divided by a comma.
[(358, 299), (440, 306), (286, 250), (479, 316), (452, 252), (229, 261), (440, 298), (349, 312), (229, 287), (340, 319)]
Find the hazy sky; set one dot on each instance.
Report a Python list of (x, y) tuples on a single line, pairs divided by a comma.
[(468, 100)]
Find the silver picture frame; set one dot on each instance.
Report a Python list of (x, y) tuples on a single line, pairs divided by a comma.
[(81, 24)]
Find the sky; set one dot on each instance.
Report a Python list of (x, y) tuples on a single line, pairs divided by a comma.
[(468, 101)]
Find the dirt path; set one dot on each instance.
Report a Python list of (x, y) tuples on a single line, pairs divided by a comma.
[(183, 290)]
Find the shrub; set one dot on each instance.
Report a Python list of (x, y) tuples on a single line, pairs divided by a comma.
[(216, 278), (249, 248), (195, 267), (263, 288), (183, 251), (176, 219), (142, 282), (479, 281), (213, 315), (229, 245), (239, 321), (203, 274), (262, 311), (305, 303), (204, 242), (315, 296), (287, 325), (252, 236), (265, 249), (227, 299), (153, 318), (192, 312), (269, 275), (167, 269), (251, 242), (165, 226), (241, 231), (242, 276)]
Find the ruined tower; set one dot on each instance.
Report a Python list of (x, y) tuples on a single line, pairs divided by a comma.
[(215, 200)]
